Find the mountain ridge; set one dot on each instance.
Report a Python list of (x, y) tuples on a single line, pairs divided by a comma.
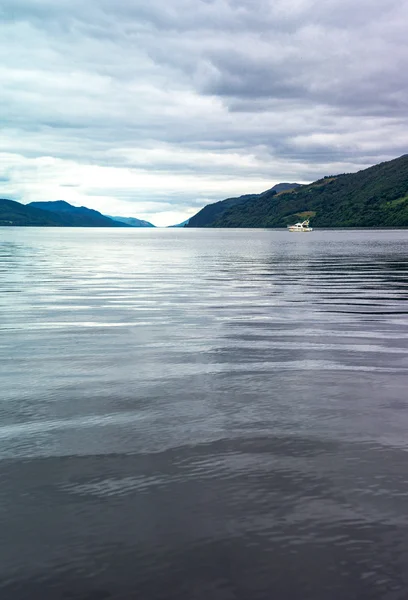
[(132, 221), (182, 224), (206, 216), (14, 213), (372, 197), (76, 216)]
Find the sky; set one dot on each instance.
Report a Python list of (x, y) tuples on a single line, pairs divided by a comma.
[(155, 108)]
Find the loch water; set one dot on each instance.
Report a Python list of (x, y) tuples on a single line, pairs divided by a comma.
[(203, 414)]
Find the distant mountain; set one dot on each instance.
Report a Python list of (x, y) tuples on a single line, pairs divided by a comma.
[(183, 224), (210, 213), (132, 221), (76, 216), (373, 197), (14, 213)]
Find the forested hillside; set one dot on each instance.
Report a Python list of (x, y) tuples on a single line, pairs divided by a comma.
[(373, 197)]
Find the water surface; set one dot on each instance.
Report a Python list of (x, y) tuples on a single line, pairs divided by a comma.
[(203, 414)]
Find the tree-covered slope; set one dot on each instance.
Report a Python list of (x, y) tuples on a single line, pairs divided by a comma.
[(77, 216), (207, 215), (14, 213), (132, 221), (182, 224), (374, 197), (52, 214)]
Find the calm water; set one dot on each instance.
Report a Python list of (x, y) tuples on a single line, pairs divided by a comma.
[(203, 414)]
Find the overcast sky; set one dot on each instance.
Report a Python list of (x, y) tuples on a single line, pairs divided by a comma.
[(155, 108)]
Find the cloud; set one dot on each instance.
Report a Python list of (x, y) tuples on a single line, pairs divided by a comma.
[(153, 109)]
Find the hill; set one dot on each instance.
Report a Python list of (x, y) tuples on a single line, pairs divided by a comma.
[(132, 221), (210, 213), (76, 216), (183, 224), (13, 213), (373, 197)]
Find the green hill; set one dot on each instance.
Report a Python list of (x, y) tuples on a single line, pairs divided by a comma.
[(132, 221), (76, 216), (14, 213), (52, 214), (183, 224), (207, 215), (374, 197)]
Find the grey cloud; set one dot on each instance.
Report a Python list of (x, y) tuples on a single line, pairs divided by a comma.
[(316, 65)]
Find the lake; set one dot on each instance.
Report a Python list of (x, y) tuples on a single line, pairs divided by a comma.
[(203, 414)]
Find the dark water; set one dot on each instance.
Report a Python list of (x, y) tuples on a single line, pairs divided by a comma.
[(197, 414)]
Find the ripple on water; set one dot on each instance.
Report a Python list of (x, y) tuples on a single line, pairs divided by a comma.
[(203, 414)]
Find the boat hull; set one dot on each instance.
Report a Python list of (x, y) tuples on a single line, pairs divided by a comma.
[(301, 230)]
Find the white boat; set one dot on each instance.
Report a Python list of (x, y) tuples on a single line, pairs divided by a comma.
[(304, 226)]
